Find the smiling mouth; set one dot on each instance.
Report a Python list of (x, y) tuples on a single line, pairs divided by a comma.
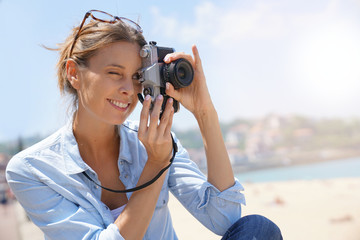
[(119, 104)]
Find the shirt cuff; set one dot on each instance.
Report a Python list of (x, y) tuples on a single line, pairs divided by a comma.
[(233, 194)]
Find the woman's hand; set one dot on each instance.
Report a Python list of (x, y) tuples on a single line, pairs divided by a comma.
[(196, 97), (156, 136), (135, 218)]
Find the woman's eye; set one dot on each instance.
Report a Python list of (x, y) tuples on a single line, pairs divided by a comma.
[(114, 73), (136, 76)]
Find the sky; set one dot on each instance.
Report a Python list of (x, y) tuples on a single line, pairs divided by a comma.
[(259, 56)]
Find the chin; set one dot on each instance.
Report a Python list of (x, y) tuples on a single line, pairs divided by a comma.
[(120, 119), (120, 116)]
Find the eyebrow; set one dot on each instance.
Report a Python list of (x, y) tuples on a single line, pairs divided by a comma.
[(120, 66), (116, 65)]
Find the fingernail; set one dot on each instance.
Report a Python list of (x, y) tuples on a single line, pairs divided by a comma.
[(159, 97), (166, 58), (170, 100), (147, 97), (167, 86)]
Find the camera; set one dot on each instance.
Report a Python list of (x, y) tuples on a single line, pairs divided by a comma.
[(155, 73)]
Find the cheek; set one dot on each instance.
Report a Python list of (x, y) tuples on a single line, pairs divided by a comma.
[(92, 91), (138, 88), (135, 98)]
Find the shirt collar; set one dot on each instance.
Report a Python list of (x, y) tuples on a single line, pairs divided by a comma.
[(127, 143), (72, 158)]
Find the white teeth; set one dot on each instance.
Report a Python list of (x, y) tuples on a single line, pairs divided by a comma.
[(119, 104)]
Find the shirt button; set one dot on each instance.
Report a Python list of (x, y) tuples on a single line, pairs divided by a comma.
[(122, 162), (96, 187), (126, 176)]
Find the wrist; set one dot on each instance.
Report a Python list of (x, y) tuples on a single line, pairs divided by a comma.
[(150, 171), (206, 115), (156, 166)]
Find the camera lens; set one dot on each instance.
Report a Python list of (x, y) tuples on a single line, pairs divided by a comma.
[(179, 73)]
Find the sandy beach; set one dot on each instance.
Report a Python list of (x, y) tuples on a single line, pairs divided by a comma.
[(311, 210)]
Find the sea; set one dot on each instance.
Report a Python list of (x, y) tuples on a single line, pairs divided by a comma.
[(343, 168)]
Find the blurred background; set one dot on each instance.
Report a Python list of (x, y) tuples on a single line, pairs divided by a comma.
[(284, 77)]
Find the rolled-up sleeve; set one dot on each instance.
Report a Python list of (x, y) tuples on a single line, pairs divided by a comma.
[(214, 209), (58, 217)]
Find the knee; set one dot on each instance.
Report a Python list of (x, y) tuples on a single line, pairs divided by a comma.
[(263, 227), (254, 227)]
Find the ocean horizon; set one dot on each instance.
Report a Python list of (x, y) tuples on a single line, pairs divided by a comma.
[(342, 168)]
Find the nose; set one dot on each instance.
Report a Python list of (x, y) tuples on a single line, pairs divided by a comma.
[(127, 87)]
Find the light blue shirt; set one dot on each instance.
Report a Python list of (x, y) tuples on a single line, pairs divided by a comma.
[(48, 182)]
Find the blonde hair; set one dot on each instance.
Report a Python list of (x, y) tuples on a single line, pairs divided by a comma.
[(93, 36)]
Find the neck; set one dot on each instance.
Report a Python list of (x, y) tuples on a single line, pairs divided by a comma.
[(95, 138)]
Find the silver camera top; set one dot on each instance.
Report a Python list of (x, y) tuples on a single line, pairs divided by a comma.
[(150, 71), (155, 73)]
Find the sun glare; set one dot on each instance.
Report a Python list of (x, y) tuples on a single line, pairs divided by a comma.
[(329, 63)]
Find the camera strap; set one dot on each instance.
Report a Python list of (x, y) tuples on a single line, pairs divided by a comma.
[(175, 149)]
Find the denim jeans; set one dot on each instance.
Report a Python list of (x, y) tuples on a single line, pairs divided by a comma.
[(253, 227)]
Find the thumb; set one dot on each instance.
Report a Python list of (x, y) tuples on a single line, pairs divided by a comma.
[(170, 90)]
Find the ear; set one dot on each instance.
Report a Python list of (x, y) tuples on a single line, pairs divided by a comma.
[(72, 74)]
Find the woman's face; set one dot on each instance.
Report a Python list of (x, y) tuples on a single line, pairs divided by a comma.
[(108, 87)]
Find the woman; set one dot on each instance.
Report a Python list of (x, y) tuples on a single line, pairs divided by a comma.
[(57, 180)]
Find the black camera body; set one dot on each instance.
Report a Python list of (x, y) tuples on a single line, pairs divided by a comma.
[(155, 73)]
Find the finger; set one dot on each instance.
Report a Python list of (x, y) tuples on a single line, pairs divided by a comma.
[(197, 59), (144, 115), (176, 55), (165, 116), (155, 114), (172, 92), (167, 130)]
